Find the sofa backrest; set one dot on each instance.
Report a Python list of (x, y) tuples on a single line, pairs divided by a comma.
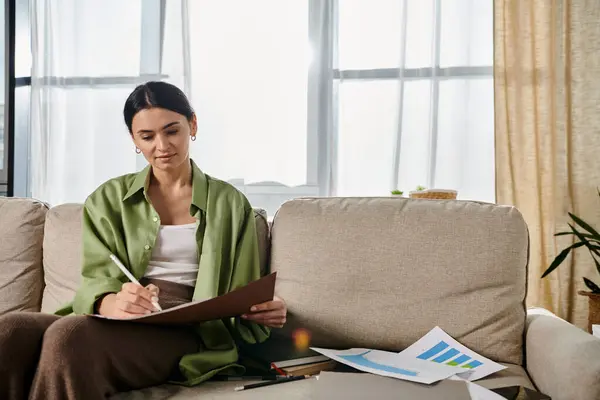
[(21, 235), (355, 272), (62, 253), (382, 272)]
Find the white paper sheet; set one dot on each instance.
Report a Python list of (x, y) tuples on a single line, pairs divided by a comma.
[(391, 364), (596, 330), (439, 348), (479, 392)]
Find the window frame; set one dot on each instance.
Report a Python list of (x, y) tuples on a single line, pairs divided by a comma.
[(6, 170)]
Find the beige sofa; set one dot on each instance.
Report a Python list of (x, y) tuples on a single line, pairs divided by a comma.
[(355, 272)]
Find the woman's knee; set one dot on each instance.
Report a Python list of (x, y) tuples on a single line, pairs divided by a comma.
[(12, 326), (22, 332), (68, 338)]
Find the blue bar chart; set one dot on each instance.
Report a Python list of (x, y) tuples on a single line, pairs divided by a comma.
[(433, 351), (459, 360), (445, 356), (473, 364), (442, 353)]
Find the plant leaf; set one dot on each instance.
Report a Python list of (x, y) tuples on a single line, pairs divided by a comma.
[(561, 257), (591, 285), (591, 247), (585, 235), (584, 225)]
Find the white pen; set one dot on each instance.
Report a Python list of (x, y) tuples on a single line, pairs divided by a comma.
[(131, 277)]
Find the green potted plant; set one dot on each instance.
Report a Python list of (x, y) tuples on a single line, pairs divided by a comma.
[(397, 192), (588, 237)]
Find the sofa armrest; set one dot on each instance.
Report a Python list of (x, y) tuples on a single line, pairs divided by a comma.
[(562, 360)]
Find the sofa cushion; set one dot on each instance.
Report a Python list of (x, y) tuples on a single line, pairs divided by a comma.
[(62, 253), (21, 235), (62, 256), (381, 272)]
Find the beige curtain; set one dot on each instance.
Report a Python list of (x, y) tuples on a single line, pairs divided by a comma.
[(547, 100)]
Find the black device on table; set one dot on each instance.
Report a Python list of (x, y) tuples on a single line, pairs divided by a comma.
[(520, 393)]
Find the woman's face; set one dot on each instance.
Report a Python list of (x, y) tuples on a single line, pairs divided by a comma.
[(163, 136)]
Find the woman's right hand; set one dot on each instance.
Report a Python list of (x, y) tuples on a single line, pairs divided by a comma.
[(132, 301)]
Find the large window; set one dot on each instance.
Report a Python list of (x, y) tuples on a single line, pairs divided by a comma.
[(347, 98), (293, 98)]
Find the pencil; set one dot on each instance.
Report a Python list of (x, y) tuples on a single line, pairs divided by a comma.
[(249, 378), (129, 276), (272, 382)]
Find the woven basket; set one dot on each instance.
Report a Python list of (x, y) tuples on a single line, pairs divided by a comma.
[(438, 194), (594, 308)]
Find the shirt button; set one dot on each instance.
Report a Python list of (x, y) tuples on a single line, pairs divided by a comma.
[(155, 219), (147, 247)]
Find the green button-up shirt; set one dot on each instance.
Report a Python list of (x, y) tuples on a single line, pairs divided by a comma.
[(118, 218)]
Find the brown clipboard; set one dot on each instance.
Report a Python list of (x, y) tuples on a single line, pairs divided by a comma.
[(232, 304)]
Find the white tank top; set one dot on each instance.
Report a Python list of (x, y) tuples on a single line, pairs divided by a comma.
[(175, 255)]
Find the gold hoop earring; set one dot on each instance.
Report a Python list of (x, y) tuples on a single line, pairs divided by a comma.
[(193, 138), (137, 150)]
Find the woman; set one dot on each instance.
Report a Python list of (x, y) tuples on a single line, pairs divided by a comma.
[(185, 235)]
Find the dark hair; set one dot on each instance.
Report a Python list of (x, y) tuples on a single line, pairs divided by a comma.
[(156, 94)]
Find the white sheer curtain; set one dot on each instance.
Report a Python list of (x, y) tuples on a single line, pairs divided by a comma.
[(294, 98), (87, 57)]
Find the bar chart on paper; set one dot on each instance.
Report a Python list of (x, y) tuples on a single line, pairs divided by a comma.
[(440, 348), (442, 353)]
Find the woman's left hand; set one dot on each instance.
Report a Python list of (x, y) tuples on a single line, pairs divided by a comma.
[(272, 313)]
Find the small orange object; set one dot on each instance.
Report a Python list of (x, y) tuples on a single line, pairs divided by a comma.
[(301, 338)]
